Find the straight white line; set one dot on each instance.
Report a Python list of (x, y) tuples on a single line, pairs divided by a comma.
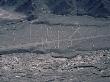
[(38, 43)]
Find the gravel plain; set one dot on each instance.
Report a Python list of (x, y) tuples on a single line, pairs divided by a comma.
[(89, 66)]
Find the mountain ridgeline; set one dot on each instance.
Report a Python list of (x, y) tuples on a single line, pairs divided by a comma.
[(95, 8)]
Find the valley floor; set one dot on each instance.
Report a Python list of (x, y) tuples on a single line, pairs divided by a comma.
[(55, 49)]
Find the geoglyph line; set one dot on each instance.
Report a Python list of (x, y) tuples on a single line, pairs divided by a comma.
[(48, 42)]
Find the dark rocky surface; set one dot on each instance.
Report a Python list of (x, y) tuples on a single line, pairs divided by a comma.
[(96, 8), (90, 66)]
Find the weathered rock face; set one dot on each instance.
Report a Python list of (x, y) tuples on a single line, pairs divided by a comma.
[(11, 3), (80, 7), (22, 6), (96, 8)]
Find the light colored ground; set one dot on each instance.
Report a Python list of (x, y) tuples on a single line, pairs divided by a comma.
[(32, 52), (4, 14)]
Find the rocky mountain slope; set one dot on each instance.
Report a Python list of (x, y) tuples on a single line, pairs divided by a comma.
[(96, 8)]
